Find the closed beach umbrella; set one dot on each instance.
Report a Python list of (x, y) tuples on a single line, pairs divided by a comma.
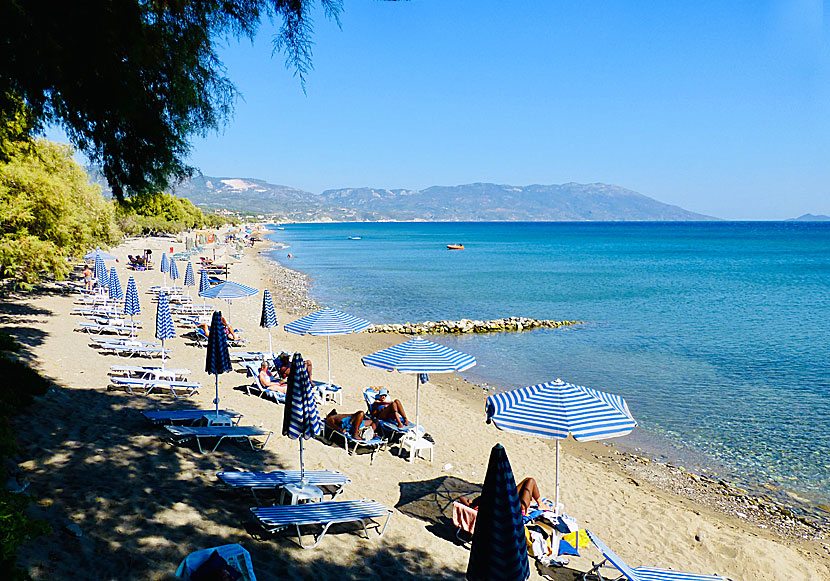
[(419, 356), (499, 549), (327, 322), (131, 305), (189, 279), (165, 266), (268, 318), (300, 420), (557, 409), (204, 284), (164, 323), (114, 286), (174, 271), (227, 291), (218, 359), (100, 272), (98, 253)]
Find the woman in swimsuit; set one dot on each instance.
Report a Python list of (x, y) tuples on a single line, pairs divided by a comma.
[(350, 423), (528, 493), (388, 411)]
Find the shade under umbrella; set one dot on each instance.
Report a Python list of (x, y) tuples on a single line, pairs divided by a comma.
[(114, 288), (98, 253), (164, 323), (499, 549), (268, 318), (100, 272), (218, 359), (300, 419), (557, 409), (327, 322), (189, 279), (174, 271), (419, 356), (227, 291), (131, 304)]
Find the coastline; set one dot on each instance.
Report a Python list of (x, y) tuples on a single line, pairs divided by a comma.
[(91, 461)]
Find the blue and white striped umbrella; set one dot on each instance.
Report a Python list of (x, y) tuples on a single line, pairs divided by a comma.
[(327, 322), (189, 279), (421, 357), (204, 283), (114, 286), (218, 360), (100, 272), (499, 549), (227, 291), (557, 409), (300, 419), (164, 323), (174, 271), (98, 253), (131, 305), (268, 318), (165, 267)]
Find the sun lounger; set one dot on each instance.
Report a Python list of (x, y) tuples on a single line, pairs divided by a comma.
[(234, 555), (639, 573), (202, 338), (184, 433), (238, 356), (148, 372), (168, 290), (351, 444), (129, 349), (329, 481), (124, 341), (188, 416), (98, 328), (390, 429), (256, 384), (275, 518), (148, 385)]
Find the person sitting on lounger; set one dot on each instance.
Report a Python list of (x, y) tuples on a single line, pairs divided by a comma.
[(357, 424), (229, 332), (528, 493), (283, 364), (269, 381), (388, 411)]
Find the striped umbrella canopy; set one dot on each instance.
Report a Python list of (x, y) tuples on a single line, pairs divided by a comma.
[(189, 279), (164, 323), (269, 317), (557, 409), (131, 305), (499, 549), (114, 286), (165, 266), (174, 270), (300, 419), (419, 356), (227, 291), (98, 253), (100, 272), (204, 283), (218, 359), (327, 322)]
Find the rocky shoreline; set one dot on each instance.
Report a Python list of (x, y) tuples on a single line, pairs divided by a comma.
[(508, 324)]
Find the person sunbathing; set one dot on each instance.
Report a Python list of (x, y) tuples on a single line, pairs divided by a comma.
[(268, 380), (283, 364), (356, 424), (388, 411), (229, 332), (528, 493)]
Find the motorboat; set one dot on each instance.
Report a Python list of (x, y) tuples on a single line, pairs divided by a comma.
[(455, 247)]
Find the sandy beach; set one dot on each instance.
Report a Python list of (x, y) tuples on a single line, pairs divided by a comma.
[(125, 503)]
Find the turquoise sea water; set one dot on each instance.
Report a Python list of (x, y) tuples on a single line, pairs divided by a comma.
[(715, 333)]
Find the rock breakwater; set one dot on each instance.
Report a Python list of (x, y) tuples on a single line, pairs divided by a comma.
[(509, 324)]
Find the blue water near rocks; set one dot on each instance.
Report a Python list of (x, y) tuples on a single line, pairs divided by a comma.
[(715, 333)]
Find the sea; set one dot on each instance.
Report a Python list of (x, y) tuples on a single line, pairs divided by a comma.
[(717, 334)]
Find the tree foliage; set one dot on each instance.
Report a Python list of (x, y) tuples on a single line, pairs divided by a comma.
[(48, 212), (160, 212), (131, 81)]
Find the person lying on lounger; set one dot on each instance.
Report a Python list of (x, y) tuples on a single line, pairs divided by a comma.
[(357, 424), (388, 411), (528, 493), (229, 332), (268, 380)]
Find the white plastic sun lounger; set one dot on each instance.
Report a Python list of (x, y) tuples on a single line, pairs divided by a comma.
[(128, 349), (639, 573), (98, 328), (275, 518), (149, 372), (148, 385), (190, 416), (183, 433), (329, 481)]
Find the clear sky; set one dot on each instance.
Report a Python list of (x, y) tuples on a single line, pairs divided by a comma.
[(722, 108)]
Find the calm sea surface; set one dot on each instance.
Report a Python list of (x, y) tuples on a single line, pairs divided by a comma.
[(715, 333)]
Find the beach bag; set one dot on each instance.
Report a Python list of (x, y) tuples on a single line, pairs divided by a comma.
[(366, 433)]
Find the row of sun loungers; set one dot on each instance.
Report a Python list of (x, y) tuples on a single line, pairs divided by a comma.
[(148, 385), (219, 433)]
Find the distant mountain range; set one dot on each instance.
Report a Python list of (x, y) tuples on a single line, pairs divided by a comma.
[(811, 218), (470, 202)]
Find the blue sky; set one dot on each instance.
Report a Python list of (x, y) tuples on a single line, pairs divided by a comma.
[(722, 108)]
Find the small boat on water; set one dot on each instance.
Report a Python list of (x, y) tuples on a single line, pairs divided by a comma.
[(280, 227), (354, 237), (455, 247)]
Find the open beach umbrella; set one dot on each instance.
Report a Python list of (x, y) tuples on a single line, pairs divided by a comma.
[(100, 272), (174, 271), (499, 549), (114, 288), (189, 279), (300, 419), (218, 359), (556, 409), (327, 322), (268, 318), (419, 356), (227, 291), (98, 253), (164, 323), (131, 305), (165, 266)]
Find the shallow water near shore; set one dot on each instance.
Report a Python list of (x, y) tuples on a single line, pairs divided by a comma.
[(715, 333)]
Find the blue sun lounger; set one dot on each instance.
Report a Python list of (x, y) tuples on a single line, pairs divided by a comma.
[(256, 384), (351, 444), (148, 385), (183, 433), (329, 481), (275, 518), (639, 573), (189, 416), (234, 555), (390, 429)]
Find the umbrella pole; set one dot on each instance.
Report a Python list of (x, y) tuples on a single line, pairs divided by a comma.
[(417, 405), (162, 354), (216, 399), (556, 492), (328, 356), (302, 467), (270, 346)]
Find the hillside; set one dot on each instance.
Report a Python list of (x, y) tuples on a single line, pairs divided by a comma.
[(470, 202)]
